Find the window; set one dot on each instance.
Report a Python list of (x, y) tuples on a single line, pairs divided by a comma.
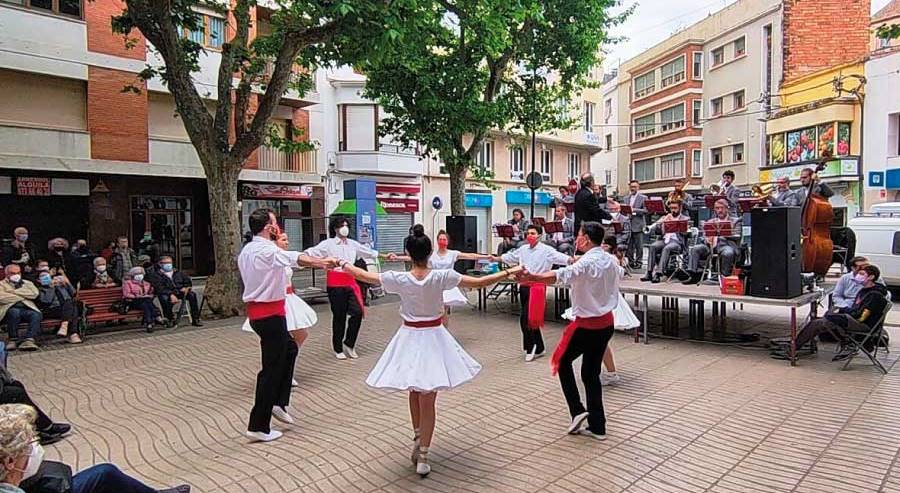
[(574, 165), (671, 166), (697, 72), (644, 84), (71, 8), (485, 159), (740, 47), (696, 108), (608, 176), (697, 163), (607, 110), (517, 163), (644, 170), (737, 152), (588, 116), (547, 164), (738, 100), (210, 33), (716, 107), (644, 127), (608, 142), (672, 72), (884, 43), (672, 118), (716, 156), (718, 57)]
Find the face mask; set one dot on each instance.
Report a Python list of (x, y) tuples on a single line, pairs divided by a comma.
[(343, 231), (532, 240), (139, 277), (166, 267), (22, 238), (101, 268), (861, 278), (581, 243), (59, 248), (45, 280), (443, 242), (35, 458), (15, 278)]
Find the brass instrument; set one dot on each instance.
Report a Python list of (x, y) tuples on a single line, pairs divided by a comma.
[(675, 196), (762, 191), (715, 189)]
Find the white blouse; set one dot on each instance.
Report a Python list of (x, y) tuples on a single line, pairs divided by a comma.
[(446, 261), (420, 300)]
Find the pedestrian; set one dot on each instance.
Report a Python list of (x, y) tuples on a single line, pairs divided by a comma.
[(422, 357), (262, 265)]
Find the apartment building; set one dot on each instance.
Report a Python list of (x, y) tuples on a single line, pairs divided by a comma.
[(881, 149), (613, 133), (81, 158)]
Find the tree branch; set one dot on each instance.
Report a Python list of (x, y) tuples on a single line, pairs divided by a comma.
[(233, 55)]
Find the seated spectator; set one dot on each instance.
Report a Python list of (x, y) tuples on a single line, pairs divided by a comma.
[(82, 261), (99, 277), (138, 293), (57, 300), (122, 259), (563, 242), (108, 250), (21, 458), (172, 286), (20, 251), (13, 391), (58, 255), (846, 289), (17, 304), (843, 323)]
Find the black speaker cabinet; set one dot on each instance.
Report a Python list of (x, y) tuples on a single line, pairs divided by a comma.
[(463, 233), (775, 252)]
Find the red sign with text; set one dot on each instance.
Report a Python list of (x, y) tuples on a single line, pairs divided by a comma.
[(398, 198), (274, 191), (33, 187)]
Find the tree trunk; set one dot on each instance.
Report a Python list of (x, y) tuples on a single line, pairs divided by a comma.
[(458, 190), (223, 289)]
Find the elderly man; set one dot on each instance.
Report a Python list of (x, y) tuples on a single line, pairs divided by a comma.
[(563, 242), (624, 237), (784, 196), (172, 286), (17, 304), (20, 251), (670, 244), (727, 248), (122, 260), (635, 199), (99, 277)]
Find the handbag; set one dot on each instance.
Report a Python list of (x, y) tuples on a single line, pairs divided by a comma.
[(52, 477)]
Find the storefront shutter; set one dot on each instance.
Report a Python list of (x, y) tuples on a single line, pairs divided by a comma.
[(392, 231)]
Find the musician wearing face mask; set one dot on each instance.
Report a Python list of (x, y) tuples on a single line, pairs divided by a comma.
[(671, 243), (727, 248), (344, 293), (783, 195), (622, 238)]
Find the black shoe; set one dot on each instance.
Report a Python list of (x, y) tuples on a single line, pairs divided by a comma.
[(149, 328), (657, 278), (693, 278), (184, 488), (648, 277), (197, 323), (845, 354), (54, 433)]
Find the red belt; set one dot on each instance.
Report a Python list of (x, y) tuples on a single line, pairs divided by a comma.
[(339, 279), (258, 310), (290, 290), (588, 323), (537, 304), (424, 324)]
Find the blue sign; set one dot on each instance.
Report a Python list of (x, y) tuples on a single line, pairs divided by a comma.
[(479, 200), (876, 179), (892, 179), (437, 203), (523, 197)]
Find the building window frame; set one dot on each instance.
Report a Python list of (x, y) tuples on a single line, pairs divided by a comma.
[(607, 110), (644, 127), (209, 40), (648, 163), (739, 100), (717, 154), (648, 88), (738, 153), (676, 76), (608, 142), (574, 165), (676, 171), (589, 116), (669, 126), (697, 65), (516, 163), (696, 112), (696, 163), (485, 157), (717, 56), (742, 50), (53, 10), (716, 106), (546, 164)]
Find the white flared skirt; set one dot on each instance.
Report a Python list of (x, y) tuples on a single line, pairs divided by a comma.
[(622, 314), (423, 360), (455, 297), (297, 313)]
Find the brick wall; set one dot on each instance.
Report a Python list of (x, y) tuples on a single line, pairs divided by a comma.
[(98, 16), (300, 121), (117, 120), (819, 34)]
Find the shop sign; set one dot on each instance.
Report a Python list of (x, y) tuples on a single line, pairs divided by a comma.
[(479, 200), (523, 197), (275, 191), (32, 187), (835, 168), (398, 198)]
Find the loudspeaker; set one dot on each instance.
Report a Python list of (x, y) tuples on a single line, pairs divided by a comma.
[(463, 231), (775, 252)]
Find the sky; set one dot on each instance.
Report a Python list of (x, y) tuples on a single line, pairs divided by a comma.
[(655, 20)]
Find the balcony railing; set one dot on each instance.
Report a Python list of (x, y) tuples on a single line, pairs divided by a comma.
[(271, 159)]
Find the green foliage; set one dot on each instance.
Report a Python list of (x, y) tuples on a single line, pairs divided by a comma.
[(889, 31)]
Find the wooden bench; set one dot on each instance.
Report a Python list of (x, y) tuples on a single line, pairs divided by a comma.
[(98, 304)]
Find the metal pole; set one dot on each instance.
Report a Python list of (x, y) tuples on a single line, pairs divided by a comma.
[(533, 150)]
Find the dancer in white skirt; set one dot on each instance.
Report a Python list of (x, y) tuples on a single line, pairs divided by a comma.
[(422, 358)]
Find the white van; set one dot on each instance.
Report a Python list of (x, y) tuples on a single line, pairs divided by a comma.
[(878, 239)]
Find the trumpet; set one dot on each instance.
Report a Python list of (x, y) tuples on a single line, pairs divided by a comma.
[(762, 191)]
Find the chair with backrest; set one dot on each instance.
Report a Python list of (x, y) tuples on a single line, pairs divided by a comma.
[(875, 337)]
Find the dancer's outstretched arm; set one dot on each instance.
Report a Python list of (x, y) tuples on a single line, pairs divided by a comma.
[(544, 278), (318, 262), (483, 281), (360, 274)]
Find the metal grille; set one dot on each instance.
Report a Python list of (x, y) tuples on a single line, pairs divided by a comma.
[(392, 231)]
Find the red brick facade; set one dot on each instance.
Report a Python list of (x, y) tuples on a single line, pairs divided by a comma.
[(98, 16), (820, 34), (117, 119), (300, 121)]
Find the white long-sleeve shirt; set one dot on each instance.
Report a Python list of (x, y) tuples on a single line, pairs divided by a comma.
[(262, 264), (594, 283), (537, 260), (342, 249)]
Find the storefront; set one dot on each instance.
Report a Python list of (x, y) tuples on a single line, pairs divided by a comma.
[(521, 199), (841, 175), (49, 206), (296, 206), (401, 203), (479, 205)]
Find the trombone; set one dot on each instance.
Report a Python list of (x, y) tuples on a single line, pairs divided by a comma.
[(762, 191)]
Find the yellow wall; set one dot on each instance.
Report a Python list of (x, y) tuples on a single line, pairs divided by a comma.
[(819, 85)]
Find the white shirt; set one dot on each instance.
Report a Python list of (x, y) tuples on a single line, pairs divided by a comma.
[(342, 249), (594, 282), (446, 261), (262, 265), (536, 260), (420, 300)]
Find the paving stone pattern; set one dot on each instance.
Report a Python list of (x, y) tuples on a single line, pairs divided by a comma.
[(172, 407)]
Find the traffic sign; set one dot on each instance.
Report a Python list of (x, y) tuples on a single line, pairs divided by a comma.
[(437, 203), (534, 180)]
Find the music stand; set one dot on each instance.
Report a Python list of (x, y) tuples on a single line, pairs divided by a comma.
[(625, 210), (504, 230), (655, 205), (616, 227), (553, 227), (748, 204), (720, 229), (538, 221), (570, 207), (710, 200), (679, 226)]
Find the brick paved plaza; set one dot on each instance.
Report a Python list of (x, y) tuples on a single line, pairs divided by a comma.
[(172, 406)]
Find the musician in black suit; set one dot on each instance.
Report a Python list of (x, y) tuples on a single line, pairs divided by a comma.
[(728, 249), (586, 206), (670, 244)]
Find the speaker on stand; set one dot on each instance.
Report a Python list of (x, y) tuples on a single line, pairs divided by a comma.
[(463, 231), (775, 252)]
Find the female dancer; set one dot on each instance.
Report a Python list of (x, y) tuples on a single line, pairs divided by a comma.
[(444, 259), (298, 314), (422, 358)]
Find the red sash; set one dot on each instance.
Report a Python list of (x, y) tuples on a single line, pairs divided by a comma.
[(258, 310), (340, 279), (589, 323), (537, 301), (290, 290), (424, 324)]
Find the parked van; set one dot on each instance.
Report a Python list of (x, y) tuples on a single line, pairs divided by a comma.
[(878, 238)]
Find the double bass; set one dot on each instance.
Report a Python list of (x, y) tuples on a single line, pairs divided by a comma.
[(815, 229)]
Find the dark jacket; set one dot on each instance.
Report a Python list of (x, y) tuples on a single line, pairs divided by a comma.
[(587, 208), (54, 296), (118, 267), (12, 254), (873, 299), (163, 285)]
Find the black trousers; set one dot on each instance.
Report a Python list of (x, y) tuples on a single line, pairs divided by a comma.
[(168, 306), (343, 304), (530, 337), (273, 383), (591, 344), (67, 311), (15, 393)]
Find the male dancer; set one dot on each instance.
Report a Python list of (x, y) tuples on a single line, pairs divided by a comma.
[(262, 265), (537, 258), (344, 293), (594, 281)]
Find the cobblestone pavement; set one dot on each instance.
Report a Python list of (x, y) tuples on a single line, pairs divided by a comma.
[(172, 406)]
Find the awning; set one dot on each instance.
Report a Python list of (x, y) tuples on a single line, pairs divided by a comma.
[(347, 207)]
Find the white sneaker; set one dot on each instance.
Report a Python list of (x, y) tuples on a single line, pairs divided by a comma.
[(294, 382), (340, 355), (258, 436), (529, 356), (609, 378), (588, 433), (282, 415), (577, 421), (351, 352)]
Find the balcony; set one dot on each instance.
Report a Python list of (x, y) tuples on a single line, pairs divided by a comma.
[(271, 159), (389, 159)]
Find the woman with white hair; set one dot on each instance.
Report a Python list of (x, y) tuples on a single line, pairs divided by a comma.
[(100, 276), (138, 293), (21, 456)]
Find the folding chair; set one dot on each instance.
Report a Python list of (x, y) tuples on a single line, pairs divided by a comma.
[(874, 337)]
